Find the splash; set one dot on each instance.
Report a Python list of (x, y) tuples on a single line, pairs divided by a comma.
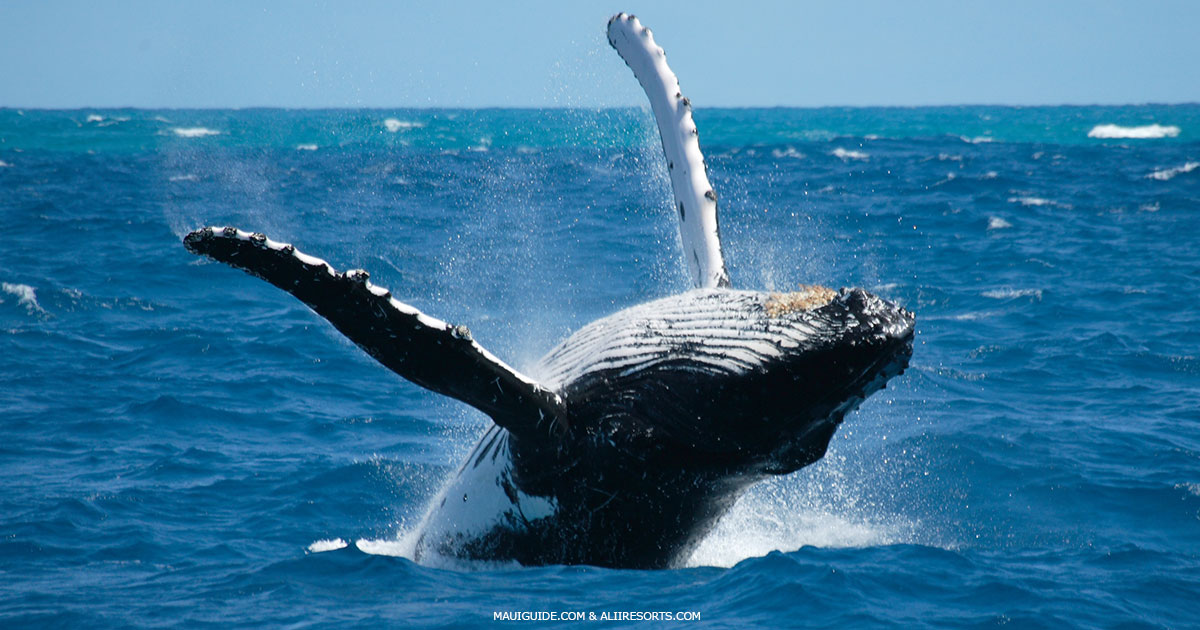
[(26, 296), (789, 513), (323, 545)]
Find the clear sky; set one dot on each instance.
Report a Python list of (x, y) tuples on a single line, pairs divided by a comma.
[(482, 53)]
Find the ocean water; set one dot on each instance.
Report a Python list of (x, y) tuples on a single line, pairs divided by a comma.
[(184, 445)]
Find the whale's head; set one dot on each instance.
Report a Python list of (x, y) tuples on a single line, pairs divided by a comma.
[(737, 380)]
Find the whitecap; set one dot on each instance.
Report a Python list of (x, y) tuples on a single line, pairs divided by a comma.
[(26, 296), (1030, 201), (183, 178), (790, 152), (4, 164), (306, 147), (849, 155), (1144, 131), (977, 139), (395, 124), (327, 545), (949, 157), (996, 223), (1167, 173), (1008, 293), (94, 118), (194, 132)]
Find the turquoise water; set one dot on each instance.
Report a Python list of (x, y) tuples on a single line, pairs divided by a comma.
[(180, 440)]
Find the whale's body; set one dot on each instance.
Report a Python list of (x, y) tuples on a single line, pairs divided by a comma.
[(629, 440), (677, 406)]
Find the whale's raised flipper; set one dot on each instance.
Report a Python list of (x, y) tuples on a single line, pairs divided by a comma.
[(695, 199), (425, 350)]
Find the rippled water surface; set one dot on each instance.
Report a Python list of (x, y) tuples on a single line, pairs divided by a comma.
[(184, 444)]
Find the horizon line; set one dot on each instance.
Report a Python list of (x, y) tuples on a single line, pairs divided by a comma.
[(576, 108)]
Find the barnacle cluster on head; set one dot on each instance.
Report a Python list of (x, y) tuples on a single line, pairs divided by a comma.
[(806, 298)]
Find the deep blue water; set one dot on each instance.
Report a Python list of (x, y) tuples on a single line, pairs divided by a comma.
[(175, 435)]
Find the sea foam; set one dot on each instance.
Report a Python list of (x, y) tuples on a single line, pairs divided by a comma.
[(1008, 293), (1145, 131)]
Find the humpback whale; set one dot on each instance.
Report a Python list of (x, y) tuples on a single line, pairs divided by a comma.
[(642, 428)]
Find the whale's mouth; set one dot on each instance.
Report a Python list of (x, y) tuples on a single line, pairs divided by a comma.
[(869, 341)]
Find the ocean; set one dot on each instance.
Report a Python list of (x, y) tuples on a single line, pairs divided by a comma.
[(184, 445)]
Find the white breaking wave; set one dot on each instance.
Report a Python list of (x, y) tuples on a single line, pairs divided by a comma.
[(976, 139), (194, 132), (849, 155), (395, 124), (4, 164), (327, 545), (996, 223), (790, 152), (1008, 293), (25, 295), (183, 178), (1167, 173), (1038, 201), (1145, 131), (306, 147), (94, 118)]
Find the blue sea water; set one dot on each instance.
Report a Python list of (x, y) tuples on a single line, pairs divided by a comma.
[(182, 444)]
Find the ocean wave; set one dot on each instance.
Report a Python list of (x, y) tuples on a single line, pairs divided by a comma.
[(194, 132), (94, 118), (4, 164), (1144, 131), (395, 124), (1010, 293), (789, 152), (326, 544), (1030, 201), (849, 155), (183, 178), (1167, 173), (997, 223), (306, 147), (977, 139), (26, 296)]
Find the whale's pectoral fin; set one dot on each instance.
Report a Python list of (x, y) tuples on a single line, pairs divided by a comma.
[(695, 199), (425, 350)]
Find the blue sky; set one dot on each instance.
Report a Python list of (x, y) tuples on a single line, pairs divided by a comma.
[(547, 54)]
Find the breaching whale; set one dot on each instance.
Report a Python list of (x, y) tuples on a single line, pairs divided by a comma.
[(643, 427)]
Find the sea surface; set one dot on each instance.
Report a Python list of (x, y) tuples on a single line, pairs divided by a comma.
[(184, 445)]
